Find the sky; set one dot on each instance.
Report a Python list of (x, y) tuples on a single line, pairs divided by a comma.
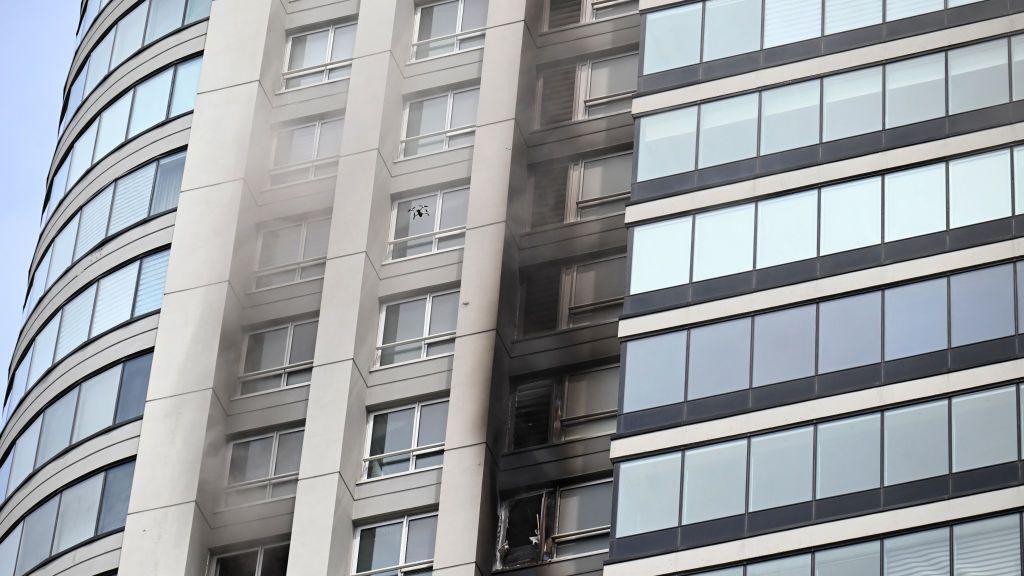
[(35, 70)]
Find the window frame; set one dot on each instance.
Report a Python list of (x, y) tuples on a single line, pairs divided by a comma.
[(588, 13), (310, 165), (584, 75), (559, 538), (567, 306), (403, 568), (414, 452), (574, 201), (284, 370), (457, 37), (437, 233), (299, 265), (425, 339), (447, 133), (325, 68), (215, 559), (271, 480)]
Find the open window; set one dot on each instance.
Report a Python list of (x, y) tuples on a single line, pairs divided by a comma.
[(577, 405), (556, 523)]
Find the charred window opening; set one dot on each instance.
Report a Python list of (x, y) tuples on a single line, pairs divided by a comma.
[(580, 404)]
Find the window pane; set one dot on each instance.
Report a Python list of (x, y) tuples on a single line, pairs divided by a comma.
[(848, 455), (794, 566), (295, 145), (62, 251), (918, 553), (856, 560), (454, 206), (168, 184), (668, 143), (243, 564), (150, 104), (648, 494), (787, 21), (113, 123), (419, 543), (379, 547), (915, 89), (853, 101), (599, 281), (979, 188), (186, 83), (164, 16), (317, 234), (982, 305), (464, 108), (719, 359), (280, 246), (787, 229), (308, 50), (851, 215), (266, 350), (117, 487), (915, 319), (343, 43), (591, 392), (76, 520), (842, 15), (613, 76), (660, 255), (37, 535), (303, 342), (584, 507), (437, 20), (606, 176), (197, 10), (784, 345), (987, 546), (789, 115), (391, 431), (97, 397), (129, 34), (131, 198), (24, 454), (74, 324), (731, 27), (9, 551), (150, 292), (714, 482), (444, 313), (92, 224), (330, 138), (81, 155), (433, 422), (1017, 49), (672, 38), (134, 384), (850, 332), (114, 299), (99, 61), (728, 128), (984, 429), (474, 14), (250, 460), (915, 202), (978, 76), (916, 445), (724, 242), (896, 9), (655, 371), (56, 430), (781, 466), (42, 350), (289, 451)]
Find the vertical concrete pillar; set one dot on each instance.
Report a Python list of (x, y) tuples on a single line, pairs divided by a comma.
[(332, 449), (466, 506), (167, 530)]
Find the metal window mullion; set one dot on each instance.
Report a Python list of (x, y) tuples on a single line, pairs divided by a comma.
[(404, 541)]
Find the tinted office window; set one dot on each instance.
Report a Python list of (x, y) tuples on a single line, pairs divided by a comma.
[(714, 481), (981, 305), (723, 242), (853, 103), (851, 215), (979, 76), (915, 202), (728, 128), (731, 27), (655, 371), (784, 344), (648, 495), (848, 458), (850, 332), (916, 442), (856, 560), (37, 536), (787, 21), (719, 359), (896, 9), (672, 38), (915, 90), (789, 115), (1017, 51), (842, 15), (787, 229), (979, 188), (668, 143), (781, 465), (915, 319), (914, 554), (794, 566), (984, 429), (661, 255), (989, 546)]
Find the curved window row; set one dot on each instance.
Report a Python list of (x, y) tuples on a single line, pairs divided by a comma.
[(144, 193), (169, 93), (111, 398), (798, 343), (93, 507), (129, 292), (830, 108), (989, 546), (833, 219), (705, 31), (141, 26), (92, 10), (911, 454)]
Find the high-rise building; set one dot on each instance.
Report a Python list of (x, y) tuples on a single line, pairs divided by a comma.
[(326, 288), (821, 337)]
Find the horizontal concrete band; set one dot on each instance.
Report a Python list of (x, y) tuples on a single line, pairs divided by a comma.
[(821, 534), (823, 173), (821, 288), (827, 64), (872, 398)]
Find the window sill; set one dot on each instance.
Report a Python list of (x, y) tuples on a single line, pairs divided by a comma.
[(365, 481), (427, 154), (379, 368), (282, 91), (412, 61), (424, 255)]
